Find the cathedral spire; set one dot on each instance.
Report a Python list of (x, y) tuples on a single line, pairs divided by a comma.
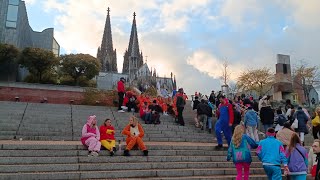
[(133, 55), (107, 55)]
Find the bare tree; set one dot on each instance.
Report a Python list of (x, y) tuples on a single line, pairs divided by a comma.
[(306, 77), (225, 73)]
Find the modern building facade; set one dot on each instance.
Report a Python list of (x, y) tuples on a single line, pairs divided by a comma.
[(15, 30)]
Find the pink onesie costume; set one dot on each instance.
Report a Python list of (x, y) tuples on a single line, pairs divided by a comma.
[(91, 135)]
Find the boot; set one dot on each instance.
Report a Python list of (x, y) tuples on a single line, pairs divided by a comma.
[(114, 149), (111, 153), (210, 131), (126, 153), (145, 152)]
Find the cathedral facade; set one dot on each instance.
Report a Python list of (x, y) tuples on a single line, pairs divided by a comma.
[(135, 71)]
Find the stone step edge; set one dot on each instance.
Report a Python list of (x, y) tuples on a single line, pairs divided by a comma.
[(178, 169), (78, 143)]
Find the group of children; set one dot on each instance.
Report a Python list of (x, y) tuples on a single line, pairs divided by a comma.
[(93, 137)]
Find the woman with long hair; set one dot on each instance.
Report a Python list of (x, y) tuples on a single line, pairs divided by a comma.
[(240, 151), (297, 159)]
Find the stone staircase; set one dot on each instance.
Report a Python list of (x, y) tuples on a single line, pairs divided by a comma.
[(175, 152)]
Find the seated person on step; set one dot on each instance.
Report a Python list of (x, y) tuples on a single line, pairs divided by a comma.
[(91, 136), (153, 117), (134, 133), (107, 136)]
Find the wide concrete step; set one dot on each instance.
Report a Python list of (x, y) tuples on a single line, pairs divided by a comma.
[(116, 166), (116, 159), (67, 153), (126, 174)]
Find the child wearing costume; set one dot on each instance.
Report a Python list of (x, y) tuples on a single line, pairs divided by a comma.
[(240, 151), (91, 136), (107, 136), (134, 133)]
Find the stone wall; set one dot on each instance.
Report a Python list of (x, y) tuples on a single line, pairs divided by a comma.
[(39, 95)]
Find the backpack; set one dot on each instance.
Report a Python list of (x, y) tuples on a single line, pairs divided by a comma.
[(281, 119)]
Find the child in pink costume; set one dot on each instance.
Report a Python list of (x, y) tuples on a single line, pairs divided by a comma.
[(91, 136)]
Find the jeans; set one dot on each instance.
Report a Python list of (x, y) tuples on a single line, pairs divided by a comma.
[(253, 132), (209, 119), (147, 118), (266, 126), (298, 177), (273, 172), (245, 167)]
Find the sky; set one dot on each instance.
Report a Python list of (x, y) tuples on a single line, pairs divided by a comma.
[(190, 38)]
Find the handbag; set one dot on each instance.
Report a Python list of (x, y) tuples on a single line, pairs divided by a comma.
[(295, 124)]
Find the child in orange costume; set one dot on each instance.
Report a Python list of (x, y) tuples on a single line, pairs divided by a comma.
[(107, 136), (135, 133)]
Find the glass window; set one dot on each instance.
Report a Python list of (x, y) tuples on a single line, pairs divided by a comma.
[(12, 13), (11, 24), (14, 2)]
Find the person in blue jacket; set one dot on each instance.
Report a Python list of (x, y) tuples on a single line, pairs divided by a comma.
[(225, 121), (240, 151), (272, 154)]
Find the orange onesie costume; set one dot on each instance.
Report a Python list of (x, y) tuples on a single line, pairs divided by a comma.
[(134, 133)]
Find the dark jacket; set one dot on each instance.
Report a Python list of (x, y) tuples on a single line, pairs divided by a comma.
[(266, 115), (237, 117), (195, 104), (302, 121), (209, 111), (202, 109), (180, 101)]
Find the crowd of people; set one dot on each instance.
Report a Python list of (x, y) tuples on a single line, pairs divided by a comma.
[(238, 119), (149, 108), (284, 130)]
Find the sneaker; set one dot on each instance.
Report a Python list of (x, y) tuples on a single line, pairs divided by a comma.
[(124, 107), (210, 131), (95, 154), (126, 153), (89, 154), (145, 152), (121, 111)]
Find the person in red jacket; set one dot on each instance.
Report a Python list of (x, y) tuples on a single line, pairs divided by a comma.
[(134, 133), (107, 136), (121, 92)]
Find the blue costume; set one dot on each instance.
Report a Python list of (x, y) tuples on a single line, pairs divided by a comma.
[(225, 114)]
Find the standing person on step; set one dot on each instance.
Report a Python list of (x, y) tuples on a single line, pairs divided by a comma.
[(271, 153), (240, 151), (134, 133), (107, 136), (316, 150), (297, 159), (180, 103), (121, 92), (302, 118), (91, 136), (251, 123), (225, 121)]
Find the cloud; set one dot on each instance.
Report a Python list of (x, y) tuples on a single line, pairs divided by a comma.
[(30, 2), (191, 38)]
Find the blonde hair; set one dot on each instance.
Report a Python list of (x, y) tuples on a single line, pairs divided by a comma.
[(237, 135), (135, 120), (318, 111)]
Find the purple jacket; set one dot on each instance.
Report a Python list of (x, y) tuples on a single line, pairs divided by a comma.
[(297, 163)]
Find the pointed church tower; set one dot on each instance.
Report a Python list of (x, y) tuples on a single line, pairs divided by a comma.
[(106, 54), (133, 60)]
